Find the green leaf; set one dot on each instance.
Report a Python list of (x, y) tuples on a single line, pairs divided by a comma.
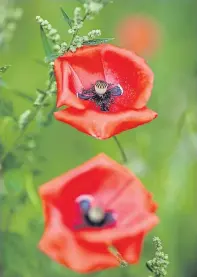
[(24, 96), (49, 116), (41, 91), (51, 57), (4, 68), (97, 41), (67, 18), (148, 266), (18, 180), (12, 161), (46, 44)]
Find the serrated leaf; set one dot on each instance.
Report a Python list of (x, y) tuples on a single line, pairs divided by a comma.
[(67, 18), (46, 44), (97, 41)]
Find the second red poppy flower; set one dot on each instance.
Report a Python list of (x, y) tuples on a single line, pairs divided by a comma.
[(106, 89), (94, 206)]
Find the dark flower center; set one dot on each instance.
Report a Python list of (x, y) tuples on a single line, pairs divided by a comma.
[(102, 94), (95, 216)]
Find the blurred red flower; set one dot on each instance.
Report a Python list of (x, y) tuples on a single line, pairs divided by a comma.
[(106, 89), (140, 34), (91, 207)]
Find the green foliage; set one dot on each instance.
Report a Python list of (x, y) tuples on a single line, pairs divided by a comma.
[(4, 68), (169, 159), (30, 189), (97, 41), (17, 181), (8, 131), (14, 181), (160, 262), (67, 18), (46, 45)]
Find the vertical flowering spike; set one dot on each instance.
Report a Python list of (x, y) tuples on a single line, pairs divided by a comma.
[(24, 119), (160, 262)]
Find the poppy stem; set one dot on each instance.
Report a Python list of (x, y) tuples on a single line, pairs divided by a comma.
[(124, 157), (117, 255)]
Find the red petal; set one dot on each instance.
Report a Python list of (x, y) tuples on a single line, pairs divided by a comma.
[(54, 188), (61, 245), (77, 71), (104, 125), (131, 72), (84, 180), (144, 223), (134, 213), (116, 189), (67, 82), (130, 248)]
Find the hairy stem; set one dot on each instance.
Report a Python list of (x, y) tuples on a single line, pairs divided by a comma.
[(76, 33), (33, 115), (117, 255)]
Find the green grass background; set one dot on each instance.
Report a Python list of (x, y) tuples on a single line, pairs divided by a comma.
[(165, 149)]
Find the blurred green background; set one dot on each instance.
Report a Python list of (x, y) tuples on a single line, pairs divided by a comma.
[(163, 153)]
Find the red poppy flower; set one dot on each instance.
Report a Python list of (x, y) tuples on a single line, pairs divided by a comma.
[(105, 88), (91, 207), (140, 34)]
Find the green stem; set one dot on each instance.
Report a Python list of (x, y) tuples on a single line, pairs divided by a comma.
[(124, 157), (117, 255), (76, 33)]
